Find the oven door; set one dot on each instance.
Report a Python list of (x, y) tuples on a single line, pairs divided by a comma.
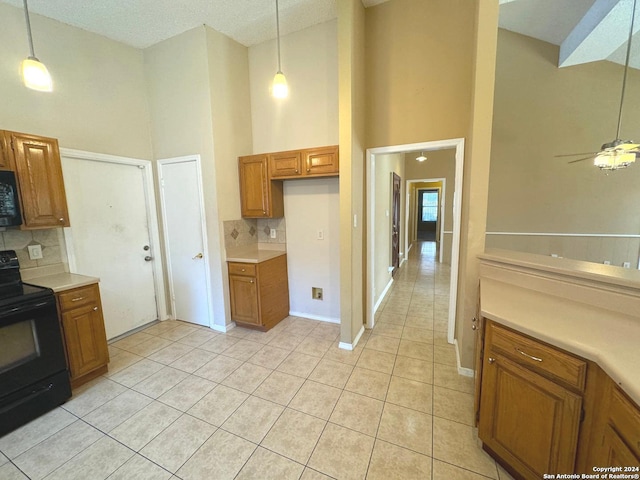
[(31, 347)]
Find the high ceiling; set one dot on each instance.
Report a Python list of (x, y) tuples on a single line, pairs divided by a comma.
[(585, 30)]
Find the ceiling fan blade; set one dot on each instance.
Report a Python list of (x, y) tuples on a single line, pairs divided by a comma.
[(581, 159), (575, 154)]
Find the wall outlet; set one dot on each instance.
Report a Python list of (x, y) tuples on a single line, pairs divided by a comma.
[(607, 262), (320, 234), (626, 264), (554, 255), (273, 233), (316, 293), (35, 252)]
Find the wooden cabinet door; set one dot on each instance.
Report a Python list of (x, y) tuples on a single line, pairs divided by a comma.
[(259, 196), (322, 161), (6, 154), (39, 174), (85, 339), (616, 452), (528, 420), (244, 299), (285, 164)]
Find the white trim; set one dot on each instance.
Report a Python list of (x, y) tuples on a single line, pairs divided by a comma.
[(381, 297), (152, 219), (442, 197), (315, 317), (223, 328), (351, 346), (203, 226), (458, 144), (467, 372), (553, 234)]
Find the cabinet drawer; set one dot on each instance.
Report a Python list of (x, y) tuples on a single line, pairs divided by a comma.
[(245, 269), (539, 357), (626, 419), (78, 297)]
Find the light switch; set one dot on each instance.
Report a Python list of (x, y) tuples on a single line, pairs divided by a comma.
[(320, 234)]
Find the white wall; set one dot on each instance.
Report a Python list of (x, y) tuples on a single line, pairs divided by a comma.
[(308, 118), (312, 205), (385, 165), (98, 102)]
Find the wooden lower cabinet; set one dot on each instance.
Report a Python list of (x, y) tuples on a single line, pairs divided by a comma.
[(84, 333), (259, 292), (544, 410)]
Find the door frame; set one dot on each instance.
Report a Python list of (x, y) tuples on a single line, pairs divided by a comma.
[(458, 144), (205, 244), (395, 252), (152, 220), (441, 192)]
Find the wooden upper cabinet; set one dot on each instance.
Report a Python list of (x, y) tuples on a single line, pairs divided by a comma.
[(285, 164), (39, 175), (6, 154), (259, 196), (311, 162), (323, 161)]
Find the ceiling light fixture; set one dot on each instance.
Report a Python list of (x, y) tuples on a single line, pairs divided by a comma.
[(421, 158), (34, 73), (620, 153), (279, 88)]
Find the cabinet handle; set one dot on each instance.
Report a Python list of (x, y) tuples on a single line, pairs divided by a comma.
[(492, 360), (77, 299), (536, 359), (95, 309)]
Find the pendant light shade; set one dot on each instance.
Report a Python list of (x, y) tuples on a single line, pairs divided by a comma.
[(34, 74), (279, 87), (421, 158)]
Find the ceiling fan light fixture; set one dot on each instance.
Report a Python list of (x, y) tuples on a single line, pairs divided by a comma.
[(279, 87), (421, 157), (614, 160), (34, 73)]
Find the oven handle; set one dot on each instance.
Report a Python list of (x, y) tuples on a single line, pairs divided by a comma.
[(42, 390), (25, 307)]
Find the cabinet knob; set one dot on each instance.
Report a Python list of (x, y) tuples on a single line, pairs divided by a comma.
[(297, 170), (308, 170), (492, 360), (264, 212), (474, 319), (95, 309), (474, 327), (61, 220), (250, 281)]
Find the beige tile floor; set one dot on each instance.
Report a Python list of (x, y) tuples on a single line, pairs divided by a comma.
[(184, 402)]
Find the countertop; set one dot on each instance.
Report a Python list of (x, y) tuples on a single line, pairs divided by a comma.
[(60, 282), (255, 253), (601, 334)]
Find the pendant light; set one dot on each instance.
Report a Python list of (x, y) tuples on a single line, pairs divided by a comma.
[(421, 158), (279, 88), (34, 73)]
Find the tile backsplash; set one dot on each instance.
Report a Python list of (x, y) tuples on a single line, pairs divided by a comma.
[(247, 231), (51, 240)]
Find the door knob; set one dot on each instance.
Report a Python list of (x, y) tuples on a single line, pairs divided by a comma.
[(197, 256), (148, 258), (146, 248)]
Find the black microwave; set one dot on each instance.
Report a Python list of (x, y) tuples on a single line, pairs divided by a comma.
[(9, 200)]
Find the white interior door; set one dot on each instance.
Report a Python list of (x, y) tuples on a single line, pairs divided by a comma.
[(110, 230), (185, 243)]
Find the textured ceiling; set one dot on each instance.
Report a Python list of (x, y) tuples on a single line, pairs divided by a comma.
[(142, 23), (585, 30)]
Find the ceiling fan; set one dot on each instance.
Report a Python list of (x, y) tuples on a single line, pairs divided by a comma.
[(618, 153)]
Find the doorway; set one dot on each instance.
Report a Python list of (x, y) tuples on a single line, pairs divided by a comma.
[(184, 226), (458, 145), (114, 236), (427, 217), (395, 224)]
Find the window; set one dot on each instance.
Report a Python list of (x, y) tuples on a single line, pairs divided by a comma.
[(430, 206)]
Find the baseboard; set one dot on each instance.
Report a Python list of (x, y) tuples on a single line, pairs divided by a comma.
[(381, 297), (467, 372), (315, 317), (223, 328), (351, 346)]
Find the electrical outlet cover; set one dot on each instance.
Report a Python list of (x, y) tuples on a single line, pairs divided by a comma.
[(35, 252)]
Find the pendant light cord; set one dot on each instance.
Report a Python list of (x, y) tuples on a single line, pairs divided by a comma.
[(626, 68), (26, 17), (278, 32)]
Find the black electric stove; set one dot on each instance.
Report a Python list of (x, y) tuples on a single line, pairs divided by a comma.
[(33, 368)]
